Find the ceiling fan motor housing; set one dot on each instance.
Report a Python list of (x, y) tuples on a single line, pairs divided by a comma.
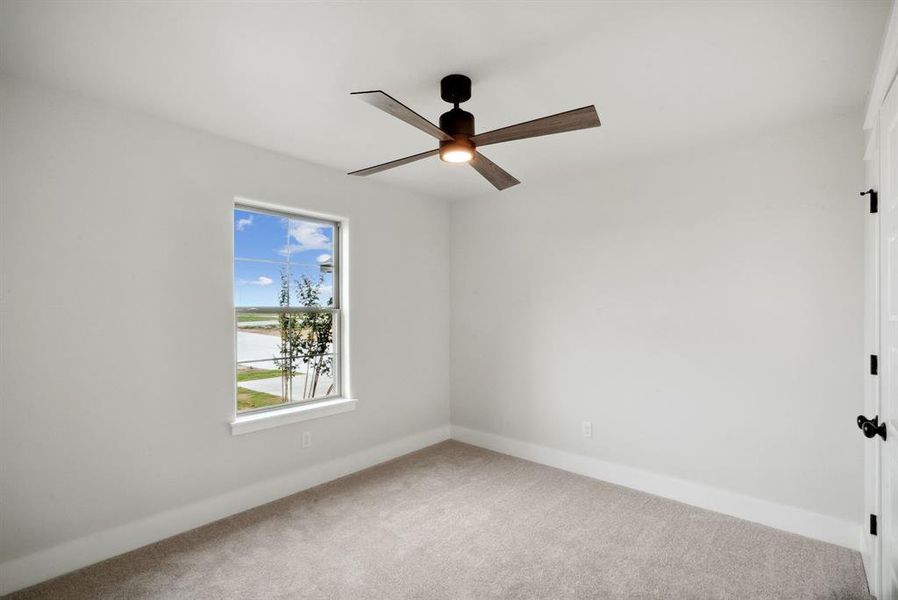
[(455, 88), (457, 123)]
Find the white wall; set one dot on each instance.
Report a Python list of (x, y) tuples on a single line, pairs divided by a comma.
[(703, 311), (117, 346)]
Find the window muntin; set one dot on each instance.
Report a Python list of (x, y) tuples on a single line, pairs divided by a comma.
[(287, 308)]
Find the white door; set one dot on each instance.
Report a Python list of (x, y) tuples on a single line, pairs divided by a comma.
[(888, 340), (872, 492)]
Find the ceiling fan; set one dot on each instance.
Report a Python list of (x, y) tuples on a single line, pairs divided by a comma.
[(458, 142)]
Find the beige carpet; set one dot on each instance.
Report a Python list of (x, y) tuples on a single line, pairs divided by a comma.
[(454, 521)]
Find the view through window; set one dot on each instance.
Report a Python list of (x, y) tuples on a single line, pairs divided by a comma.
[(286, 278)]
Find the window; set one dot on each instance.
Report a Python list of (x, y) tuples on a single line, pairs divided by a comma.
[(287, 309)]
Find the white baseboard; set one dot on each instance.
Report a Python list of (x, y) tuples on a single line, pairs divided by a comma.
[(780, 516), (45, 564)]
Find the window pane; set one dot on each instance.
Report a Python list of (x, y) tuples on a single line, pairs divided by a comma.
[(259, 385), (311, 286), (262, 337), (272, 383), (258, 284), (260, 236), (317, 378), (314, 334), (309, 243)]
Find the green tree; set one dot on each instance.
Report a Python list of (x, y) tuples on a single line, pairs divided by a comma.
[(287, 360), (315, 340)]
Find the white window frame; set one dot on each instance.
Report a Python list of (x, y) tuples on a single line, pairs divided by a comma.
[(293, 411)]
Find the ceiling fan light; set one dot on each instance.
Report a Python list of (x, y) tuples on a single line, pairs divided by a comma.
[(459, 155), (456, 151)]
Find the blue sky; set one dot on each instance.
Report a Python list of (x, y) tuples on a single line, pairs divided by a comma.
[(264, 245)]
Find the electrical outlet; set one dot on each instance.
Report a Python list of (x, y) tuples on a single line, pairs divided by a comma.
[(306, 439), (587, 429)]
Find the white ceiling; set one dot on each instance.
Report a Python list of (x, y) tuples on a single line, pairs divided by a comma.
[(663, 75)]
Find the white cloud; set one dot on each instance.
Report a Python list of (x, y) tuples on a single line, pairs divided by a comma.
[(260, 280), (244, 223), (324, 258), (290, 249), (308, 236)]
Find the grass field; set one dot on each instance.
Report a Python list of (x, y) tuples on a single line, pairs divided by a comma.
[(254, 317), (250, 399), (251, 374)]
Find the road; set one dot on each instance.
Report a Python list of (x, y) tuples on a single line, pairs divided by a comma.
[(258, 346)]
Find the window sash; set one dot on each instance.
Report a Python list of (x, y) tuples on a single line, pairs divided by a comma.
[(337, 368), (336, 244)]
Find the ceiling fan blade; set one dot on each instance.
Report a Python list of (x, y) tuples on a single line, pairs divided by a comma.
[(579, 118), (394, 163), (492, 172), (391, 105)]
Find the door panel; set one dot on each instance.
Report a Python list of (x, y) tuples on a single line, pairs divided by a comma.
[(870, 546)]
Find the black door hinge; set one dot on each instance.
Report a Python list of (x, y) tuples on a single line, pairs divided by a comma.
[(873, 525), (874, 200), (874, 364)]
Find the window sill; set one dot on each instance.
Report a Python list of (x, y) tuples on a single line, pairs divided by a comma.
[(293, 414)]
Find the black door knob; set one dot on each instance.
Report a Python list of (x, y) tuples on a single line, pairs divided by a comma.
[(871, 427)]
